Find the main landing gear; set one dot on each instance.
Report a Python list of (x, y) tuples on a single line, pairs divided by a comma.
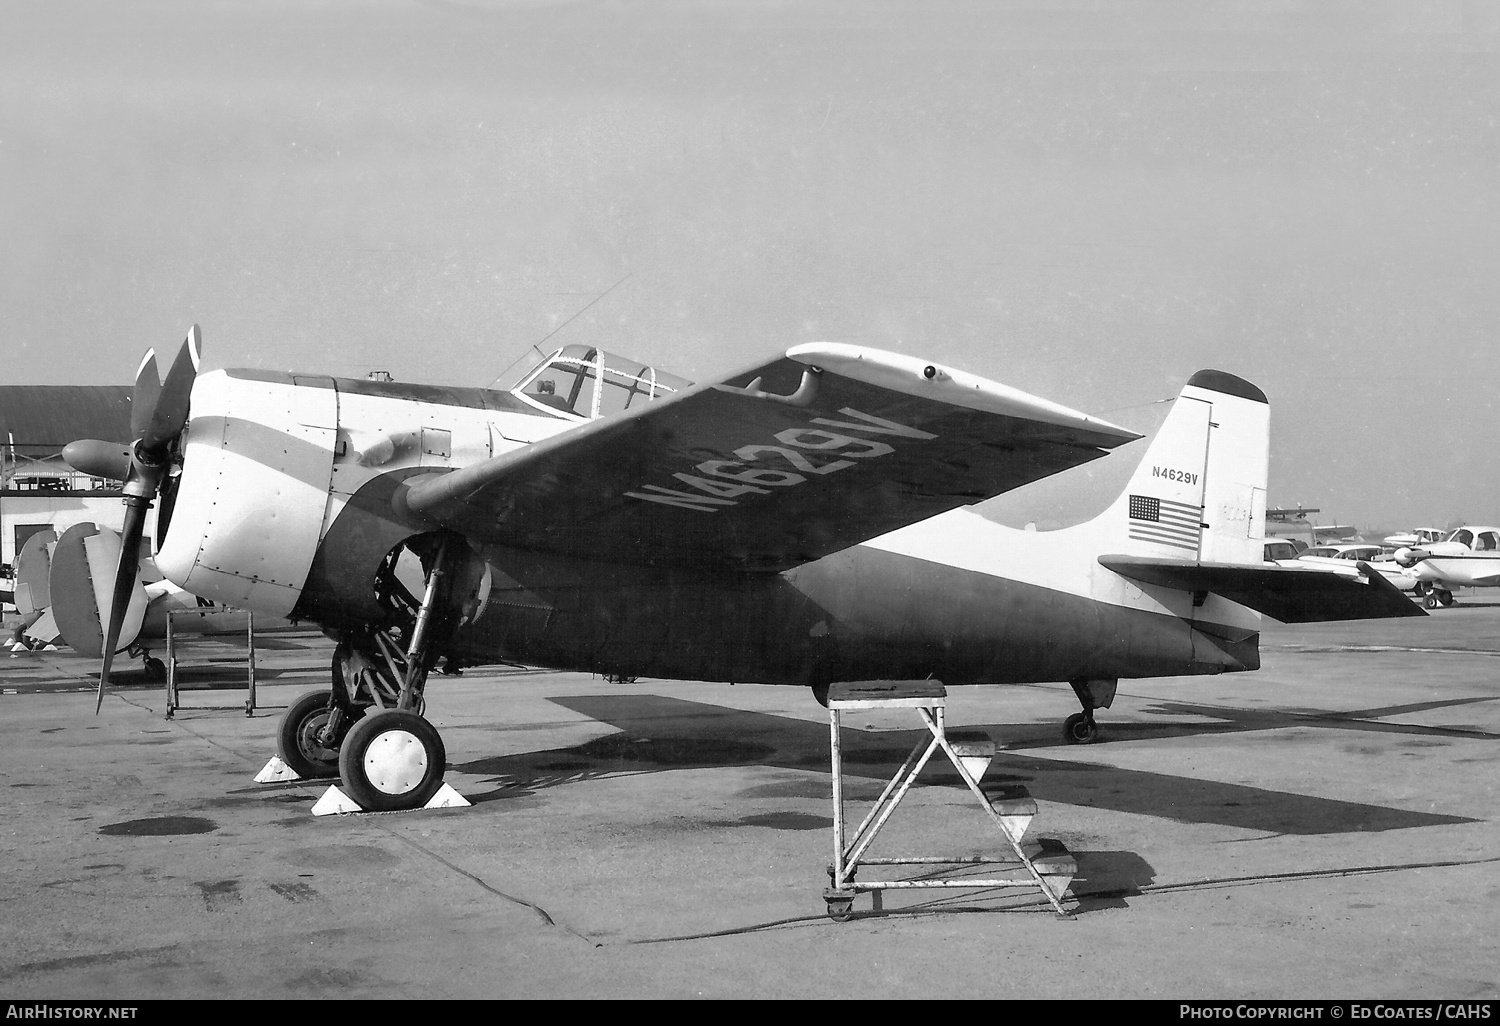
[(1080, 728), (368, 729), (1434, 595), (154, 669)]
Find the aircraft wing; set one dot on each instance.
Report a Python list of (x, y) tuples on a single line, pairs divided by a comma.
[(1288, 594), (820, 449)]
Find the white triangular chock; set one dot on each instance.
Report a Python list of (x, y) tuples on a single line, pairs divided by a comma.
[(447, 798), (334, 802), (275, 771)]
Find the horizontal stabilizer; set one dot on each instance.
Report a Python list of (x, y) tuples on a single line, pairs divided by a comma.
[(1288, 594)]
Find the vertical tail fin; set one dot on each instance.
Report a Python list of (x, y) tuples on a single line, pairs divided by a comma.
[(1200, 490)]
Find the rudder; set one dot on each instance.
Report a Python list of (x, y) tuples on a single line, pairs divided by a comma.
[(1199, 492)]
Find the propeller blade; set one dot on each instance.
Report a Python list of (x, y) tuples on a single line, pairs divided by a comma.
[(130, 563), (143, 399), (158, 414), (170, 411), (108, 460)]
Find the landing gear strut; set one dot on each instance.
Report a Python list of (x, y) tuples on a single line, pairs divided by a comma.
[(368, 728), (1093, 693)]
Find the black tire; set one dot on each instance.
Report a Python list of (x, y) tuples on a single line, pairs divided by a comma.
[(297, 741), (155, 669), (1080, 729), (1446, 598), (820, 694), (392, 760), (1431, 601)]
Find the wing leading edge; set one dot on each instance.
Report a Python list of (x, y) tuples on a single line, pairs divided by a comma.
[(821, 449), (1288, 594)]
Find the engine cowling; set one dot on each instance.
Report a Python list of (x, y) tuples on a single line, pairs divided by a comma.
[(250, 505)]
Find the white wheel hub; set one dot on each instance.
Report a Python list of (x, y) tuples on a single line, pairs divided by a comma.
[(395, 762)]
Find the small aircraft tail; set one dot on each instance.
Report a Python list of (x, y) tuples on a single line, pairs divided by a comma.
[(1200, 490), (84, 562)]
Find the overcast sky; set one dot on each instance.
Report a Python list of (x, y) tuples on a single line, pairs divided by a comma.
[(1086, 200)]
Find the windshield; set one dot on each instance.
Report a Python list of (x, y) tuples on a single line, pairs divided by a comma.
[(569, 382)]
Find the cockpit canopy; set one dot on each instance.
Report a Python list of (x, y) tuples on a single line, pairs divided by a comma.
[(1487, 539), (581, 381)]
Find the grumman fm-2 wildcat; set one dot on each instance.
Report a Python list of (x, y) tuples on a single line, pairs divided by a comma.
[(796, 523)]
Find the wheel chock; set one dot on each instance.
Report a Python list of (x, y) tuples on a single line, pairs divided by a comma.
[(275, 772), (335, 802), (447, 798)]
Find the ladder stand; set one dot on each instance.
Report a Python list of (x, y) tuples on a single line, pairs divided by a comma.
[(970, 752), (173, 697)]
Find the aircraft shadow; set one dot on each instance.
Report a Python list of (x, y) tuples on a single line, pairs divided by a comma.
[(659, 733), (1194, 720)]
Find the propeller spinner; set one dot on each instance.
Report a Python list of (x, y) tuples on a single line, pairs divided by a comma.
[(158, 414)]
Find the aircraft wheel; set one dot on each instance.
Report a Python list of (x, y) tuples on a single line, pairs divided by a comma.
[(1445, 597), (156, 670), (1431, 601), (392, 760), (1080, 729), (820, 694), (1422, 588), (297, 737)]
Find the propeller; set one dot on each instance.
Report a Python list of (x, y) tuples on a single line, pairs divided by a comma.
[(1409, 557), (158, 413)]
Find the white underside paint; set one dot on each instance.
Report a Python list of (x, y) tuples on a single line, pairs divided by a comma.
[(1210, 453)]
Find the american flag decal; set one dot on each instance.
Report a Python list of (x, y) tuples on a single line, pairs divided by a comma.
[(1165, 522)]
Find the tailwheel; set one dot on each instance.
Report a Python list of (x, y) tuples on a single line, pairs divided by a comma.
[(309, 736), (1080, 729), (392, 760)]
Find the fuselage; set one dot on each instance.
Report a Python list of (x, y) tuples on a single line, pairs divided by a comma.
[(285, 506)]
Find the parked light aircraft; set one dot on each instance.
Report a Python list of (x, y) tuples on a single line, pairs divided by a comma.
[(1293, 523), (62, 584), (800, 522), (84, 563), (1347, 558), (1415, 538), (1468, 558)]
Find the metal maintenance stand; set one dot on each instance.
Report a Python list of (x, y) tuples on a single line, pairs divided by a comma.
[(970, 753), (172, 697)]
